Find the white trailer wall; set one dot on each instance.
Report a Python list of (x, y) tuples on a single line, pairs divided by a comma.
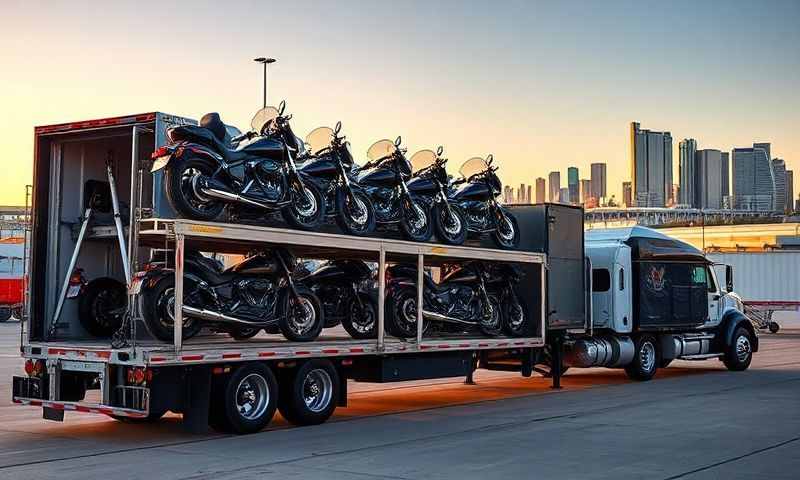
[(764, 276)]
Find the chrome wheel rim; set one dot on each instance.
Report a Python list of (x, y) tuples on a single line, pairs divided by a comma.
[(506, 231), (516, 316), (252, 396), (418, 223), (743, 348), (357, 211), (303, 315), (306, 205), (647, 356), (493, 320), (364, 318), (317, 390), (452, 223)]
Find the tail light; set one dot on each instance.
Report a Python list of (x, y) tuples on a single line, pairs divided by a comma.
[(139, 376), (160, 152), (34, 368), (76, 283)]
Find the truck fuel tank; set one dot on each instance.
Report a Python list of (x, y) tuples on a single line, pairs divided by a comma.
[(599, 352)]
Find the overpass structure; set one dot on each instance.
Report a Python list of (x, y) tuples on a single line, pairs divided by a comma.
[(655, 216)]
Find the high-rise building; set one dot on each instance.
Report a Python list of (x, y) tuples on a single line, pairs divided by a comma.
[(687, 149), (573, 185), (753, 178), (707, 185), (528, 195), (563, 195), (726, 174), (651, 167), (779, 170), (789, 191), (554, 179), (627, 194), (540, 190), (508, 194), (586, 190), (598, 179)]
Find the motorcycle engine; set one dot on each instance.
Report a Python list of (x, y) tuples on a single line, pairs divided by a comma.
[(384, 201), (455, 301), (477, 215), (258, 293), (270, 175)]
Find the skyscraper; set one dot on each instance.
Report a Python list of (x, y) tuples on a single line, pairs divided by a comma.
[(627, 199), (753, 179), (726, 174), (686, 170), (563, 195), (555, 185), (573, 184), (779, 170), (707, 185), (651, 167), (598, 179), (540, 190), (789, 191), (586, 190)]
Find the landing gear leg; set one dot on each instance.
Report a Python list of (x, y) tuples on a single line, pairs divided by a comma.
[(470, 380), (556, 348)]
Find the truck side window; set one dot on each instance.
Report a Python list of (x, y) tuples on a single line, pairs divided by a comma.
[(621, 279), (701, 276), (601, 280)]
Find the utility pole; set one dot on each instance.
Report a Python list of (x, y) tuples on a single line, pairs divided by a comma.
[(264, 61)]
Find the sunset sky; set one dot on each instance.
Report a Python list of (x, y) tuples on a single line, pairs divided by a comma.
[(541, 85)]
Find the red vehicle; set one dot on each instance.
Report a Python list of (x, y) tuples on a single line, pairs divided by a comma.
[(11, 277), (10, 298)]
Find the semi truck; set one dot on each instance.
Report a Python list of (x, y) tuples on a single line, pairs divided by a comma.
[(629, 299)]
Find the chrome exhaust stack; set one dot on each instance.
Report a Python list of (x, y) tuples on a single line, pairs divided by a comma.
[(212, 316)]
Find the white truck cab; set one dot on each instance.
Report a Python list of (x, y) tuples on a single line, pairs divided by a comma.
[(655, 299)]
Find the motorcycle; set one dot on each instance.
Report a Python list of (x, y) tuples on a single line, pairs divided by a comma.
[(257, 293), (430, 183), (348, 294), (384, 179), (476, 193), (207, 170), (329, 164), (472, 295)]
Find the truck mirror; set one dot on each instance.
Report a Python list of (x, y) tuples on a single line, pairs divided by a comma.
[(728, 278)]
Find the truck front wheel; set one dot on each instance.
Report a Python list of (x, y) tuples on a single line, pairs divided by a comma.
[(739, 353), (645, 359)]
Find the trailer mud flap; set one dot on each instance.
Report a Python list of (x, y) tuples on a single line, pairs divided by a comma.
[(54, 414), (197, 397)]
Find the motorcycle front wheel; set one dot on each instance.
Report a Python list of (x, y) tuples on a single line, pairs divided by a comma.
[(307, 209), (492, 326), (180, 182), (416, 223), (516, 321), (158, 309), (303, 320), (506, 233), (362, 318), (355, 213), (451, 224)]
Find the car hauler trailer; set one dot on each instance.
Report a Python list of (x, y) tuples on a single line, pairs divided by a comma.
[(211, 377)]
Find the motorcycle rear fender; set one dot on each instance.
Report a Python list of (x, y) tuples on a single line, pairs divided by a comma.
[(183, 149)]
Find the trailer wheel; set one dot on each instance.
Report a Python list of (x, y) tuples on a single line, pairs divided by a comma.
[(739, 353), (310, 393), (245, 401), (774, 327), (646, 359)]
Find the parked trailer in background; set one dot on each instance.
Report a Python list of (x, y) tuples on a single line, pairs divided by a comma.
[(768, 282)]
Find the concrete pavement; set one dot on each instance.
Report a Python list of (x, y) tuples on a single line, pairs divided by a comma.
[(695, 420)]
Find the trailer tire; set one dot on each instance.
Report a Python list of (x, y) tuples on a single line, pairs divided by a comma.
[(739, 353), (310, 393), (245, 401), (646, 359), (5, 314), (773, 327)]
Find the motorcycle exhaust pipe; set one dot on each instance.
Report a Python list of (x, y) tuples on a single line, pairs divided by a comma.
[(231, 197), (428, 315), (212, 316)]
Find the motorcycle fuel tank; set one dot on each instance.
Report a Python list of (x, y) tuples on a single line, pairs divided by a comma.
[(472, 191), (256, 265), (425, 186), (264, 147), (320, 167), (378, 177)]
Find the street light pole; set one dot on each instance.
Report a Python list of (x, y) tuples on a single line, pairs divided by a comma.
[(264, 61)]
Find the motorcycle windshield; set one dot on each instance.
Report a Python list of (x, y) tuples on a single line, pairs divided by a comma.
[(381, 149), (472, 166), (319, 139), (263, 117), (422, 159)]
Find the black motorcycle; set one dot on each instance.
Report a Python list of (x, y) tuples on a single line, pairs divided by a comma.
[(476, 193), (257, 293), (384, 179), (472, 295), (347, 291), (204, 172), (330, 163), (430, 183)]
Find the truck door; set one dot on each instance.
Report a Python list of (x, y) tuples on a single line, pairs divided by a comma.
[(703, 274), (622, 288)]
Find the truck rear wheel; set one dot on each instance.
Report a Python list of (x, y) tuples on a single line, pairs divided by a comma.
[(646, 359), (739, 353), (309, 394), (245, 401)]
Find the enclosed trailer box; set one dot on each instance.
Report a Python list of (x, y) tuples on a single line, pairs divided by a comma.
[(69, 167)]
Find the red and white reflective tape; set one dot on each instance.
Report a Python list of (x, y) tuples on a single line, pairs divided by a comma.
[(102, 122), (77, 407), (82, 354)]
